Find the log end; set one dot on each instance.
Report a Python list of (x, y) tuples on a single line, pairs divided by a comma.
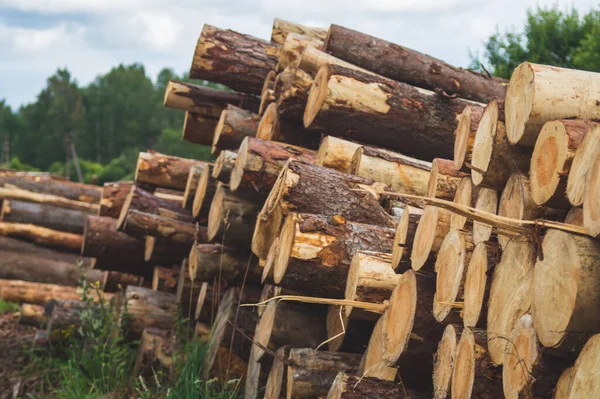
[(462, 136), (201, 300), (218, 130), (464, 371), (424, 237), (487, 201), (463, 196), (519, 102), (449, 266), (548, 161), (267, 274), (337, 322), (201, 189), (398, 322), (286, 243), (316, 96), (521, 353), (484, 142), (584, 157), (215, 216), (237, 173), (264, 327), (267, 127), (585, 382), (443, 362), (591, 200), (475, 285)]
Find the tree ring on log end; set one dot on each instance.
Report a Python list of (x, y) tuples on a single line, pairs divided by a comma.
[(286, 242), (449, 267), (512, 201), (337, 323), (584, 157), (150, 244), (219, 328), (443, 363), (487, 201), (519, 102), (432, 182), (238, 169), (585, 382), (483, 145), (563, 384), (521, 353), (218, 130), (475, 284), (591, 200), (424, 237), (215, 216), (201, 191), (316, 96), (461, 141), (264, 327), (463, 196), (548, 161), (463, 374), (267, 127)]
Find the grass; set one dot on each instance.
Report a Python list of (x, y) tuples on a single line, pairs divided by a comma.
[(8, 307)]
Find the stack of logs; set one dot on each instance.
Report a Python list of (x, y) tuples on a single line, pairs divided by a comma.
[(394, 225)]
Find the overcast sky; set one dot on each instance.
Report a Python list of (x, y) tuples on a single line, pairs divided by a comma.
[(90, 36)]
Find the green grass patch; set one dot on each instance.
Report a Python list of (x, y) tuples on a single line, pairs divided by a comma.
[(8, 307)]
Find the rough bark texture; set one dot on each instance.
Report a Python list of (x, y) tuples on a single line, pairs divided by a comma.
[(40, 293), (59, 240), (209, 261), (113, 198), (16, 193), (348, 386), (49, 216), (158, 251), (73, 191), (291, 93), (292, 49), (164, 279), (410, 66), (398, 116), (140, 224), (164, 170), (199, 129), (234, 125), (148, 308), (238, 61), (282, 28)]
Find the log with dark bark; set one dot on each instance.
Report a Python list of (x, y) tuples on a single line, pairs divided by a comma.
[(205, 100), (66, 189), (65, 314), (347, 386), (158, 251), (315, 252), (205, 191), (312, 59), (115, 281), (140, 224), (308, 188), (113, 198), (311, 373), (199, 129), (164, 171), (234, 125), (410, 66), (10, 192), (398, 116), (443, 361), (274, 127), (147, 308), (258, 164), (266, 94), (282, 28), (59, 240), (238, 61), (336, 153), (292, 49), (154, 355), (209, 261), (32, 315), (165, 279), (39, 293), (464, 136), (223, 166)]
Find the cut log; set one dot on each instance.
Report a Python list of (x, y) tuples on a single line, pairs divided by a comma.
[(59, 240), (373, 363), (256, 376), (487, 201), (410, 66), (227, 346), (113, 198), (140, 224), (475, 375), (32, 315), (206, 306), (258, 164), (164, 170), (273, 127), (510, 294), (147, 308), (15, 193), (465, 195), (476, 288), (116, 282), (516, 202), (234, 125), (199, 129), (401, 173), (432, 228), (40, 293), (290, 323), (307, 188), (223, 166), (311, 373), (451, 270), (552, 158), (231, 219), (190, 186), (464, 136), (591, 202), (205, 100), (208, 261), (205, 192), (292, 49), (266, 94), (291, 92), (371, 278), (276, 383), (565, 297), (159, 251), (154, 355), (346, 386), (381, 111), (282, 28), (404, 237), (528, 371), (315, 252), (564, 384), (65, 314), (585, 381), (336, 153), (165, 279), (345, 334), (443, 362), (539, 93), (443, 179), (581, 164), (8, 245), (66, 189), (268, 276), (191, 296), (312, 59), (238, 61)]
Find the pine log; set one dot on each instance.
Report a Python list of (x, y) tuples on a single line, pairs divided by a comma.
[(584, 381), (277, 382), (147, 308), (15, 193), (510, 294), (266, 94), (582, 162), (307, 188), (234, 125), (528, 371), (208, 261), (373, 363), (115, 281), (336, 153), (274, 127), (209, 298), (291, 93), (113, 198), (380, 111), (282, 28), (552, 158), (258, 164), (223, 166), (238, 61), (292, 49), (405, 237), (140, 224), (312, 59), (188, 292), (39, 293), (311, 373), (59, 240), (205, 100), (487, 201), (475, 375), (410, 66), (591, 202), (164, 170), (8, 244), (190, 186), (32, 315), (315, 252), (565, 296), (464, 136), (465, 195), (432, 228), (539, 93), (154, 357), (476, 288), (158, 251), (290, 323), (66, 189), (256, 376), (199, 129), (401, 173), (347, 386), (205, 192), (231, 218), (443, 179), (165, 279), (564, 384), (345, 334), (443, 362)]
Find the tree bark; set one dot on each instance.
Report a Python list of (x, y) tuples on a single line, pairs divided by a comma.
[(40, 293), (347, 386), (443, 179), (306, 188), (223, 166), (49, 216), (209, 261), (164, 170), (311, 373), (336, 153), (148, 308), (165, 279), (443, 361), (410, 66), (315, 252), (258, 164), (64, 314), (199, 129), (113, 198), (266, 94), (238, 61), (138, 268), (16, 193), (464, 136), (59, 240), (291, 93), (398, 116), (273, 127), (154, 355), (282, 28), (115, 281), (32, 315), (292, 49), (139, 224), (66, 189), (207, 186), (234, 125), (204, 100)]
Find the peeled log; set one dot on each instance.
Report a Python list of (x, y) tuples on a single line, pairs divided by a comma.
[(539, 93), (66, 189), (443, 179), (258, 165), (208, 261), (223, 166), (311, 373), (432, 228), (464, 136), (477, 289), (405, 236), (585, 379), (401, 173), (205, 192), (199, 129), (62, 241), (336, 153), (410, 66), (487, 201), (315, 252), (306, 188), (346, 386), (443, 362), (234, 125), (40, 293), (581, 165), (139, 224), (205, 100), (282, 28), (383, 112), (113, 198), (238, 61), (148, 308), (164, 170), (293, 47)]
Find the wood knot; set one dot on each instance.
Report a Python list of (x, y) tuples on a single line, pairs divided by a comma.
[(338, 220)]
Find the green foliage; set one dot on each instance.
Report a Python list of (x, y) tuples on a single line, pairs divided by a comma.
[(170, 142), (120, 168), (8, 307), (550, 36), (16, 164), (90, 170)]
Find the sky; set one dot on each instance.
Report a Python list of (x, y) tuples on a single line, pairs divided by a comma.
[(91, 36)]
